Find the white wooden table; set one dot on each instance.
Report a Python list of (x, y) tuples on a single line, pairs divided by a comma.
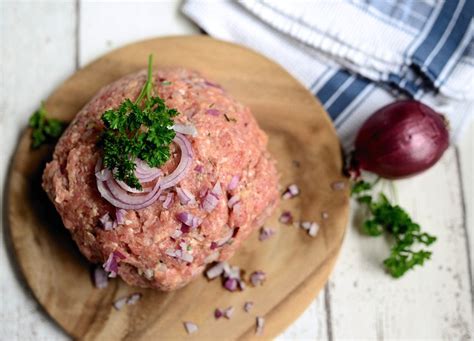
[(43, 43)]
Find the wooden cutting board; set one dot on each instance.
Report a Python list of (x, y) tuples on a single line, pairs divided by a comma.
[(303, 141)]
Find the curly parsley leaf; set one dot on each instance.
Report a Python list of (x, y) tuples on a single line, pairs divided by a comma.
[(44, 130), (140, 129), (384, 217)]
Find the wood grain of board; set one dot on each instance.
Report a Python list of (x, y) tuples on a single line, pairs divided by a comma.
[(297, 265)]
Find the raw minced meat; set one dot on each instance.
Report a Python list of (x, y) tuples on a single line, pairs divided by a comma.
[(228, 144)]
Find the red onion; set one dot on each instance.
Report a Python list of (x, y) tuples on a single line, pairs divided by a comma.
[(134, 298), (107, 222), (184, 164), (265, 233), (260, 323), (215, 271), (248, 306), (189, 129), (226, 238), (190, 327), (286, 218), (211, 199), (400, 140), (233, 200), (291, 192), (120, 303), (218, 313), (120, 216), (257, 278), (168, 200), (111, 265), (122, 196), (99, 277), (185, 196), (189, 219), (234, 182), (231, 284), (199, 168), (229, 312)]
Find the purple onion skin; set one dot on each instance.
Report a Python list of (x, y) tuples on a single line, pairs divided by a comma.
[(401, 139)]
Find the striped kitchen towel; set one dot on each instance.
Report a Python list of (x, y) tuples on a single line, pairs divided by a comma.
[(358, 55)]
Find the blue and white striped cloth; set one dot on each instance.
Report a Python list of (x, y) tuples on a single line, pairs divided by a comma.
[(358, 55)]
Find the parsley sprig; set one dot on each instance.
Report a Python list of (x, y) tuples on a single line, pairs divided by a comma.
[(396, 222), (44, 130), (139, 129)]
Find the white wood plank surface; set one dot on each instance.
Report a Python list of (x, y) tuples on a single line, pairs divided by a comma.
[(37, 54), (42, 43), (433, 301)]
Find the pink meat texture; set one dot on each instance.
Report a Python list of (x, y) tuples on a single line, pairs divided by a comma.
[(224, 147)]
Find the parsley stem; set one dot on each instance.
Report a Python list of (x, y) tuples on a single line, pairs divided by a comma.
[(148, 86)]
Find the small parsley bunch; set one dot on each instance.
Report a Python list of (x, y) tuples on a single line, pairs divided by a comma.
[(393, 220), (44, 129), (140, 129)]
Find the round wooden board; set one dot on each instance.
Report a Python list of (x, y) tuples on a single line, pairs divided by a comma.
[(303, 141)]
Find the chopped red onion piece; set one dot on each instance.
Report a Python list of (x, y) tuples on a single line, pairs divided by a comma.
[(189, 219), (257, 278), (176, 234), (186, 129), (286, 218), (120, 303), (134, 298), (231, 284), (209, 202), (305, 225), (183, 245), (107, 222), (185, 256), (224, 240), (185, 197), (338, 185), (120, 216), (111, 265), (185, 228), (265, 233), (236, 208), (216, 270), (217, 190), (99, 277), (234, 182), (242, 285), (232, 272), (199, 168), (103, 175), (168, 200), (313, 229), (214, 245), (229, 312), (213, 112), (248, 306), (218, 313), (291, 192), (260, 323), (190, 327), (233, 200)]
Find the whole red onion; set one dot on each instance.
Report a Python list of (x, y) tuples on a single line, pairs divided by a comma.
[(401, 139)]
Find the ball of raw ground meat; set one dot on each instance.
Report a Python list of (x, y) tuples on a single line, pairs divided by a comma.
[(229, 144)]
